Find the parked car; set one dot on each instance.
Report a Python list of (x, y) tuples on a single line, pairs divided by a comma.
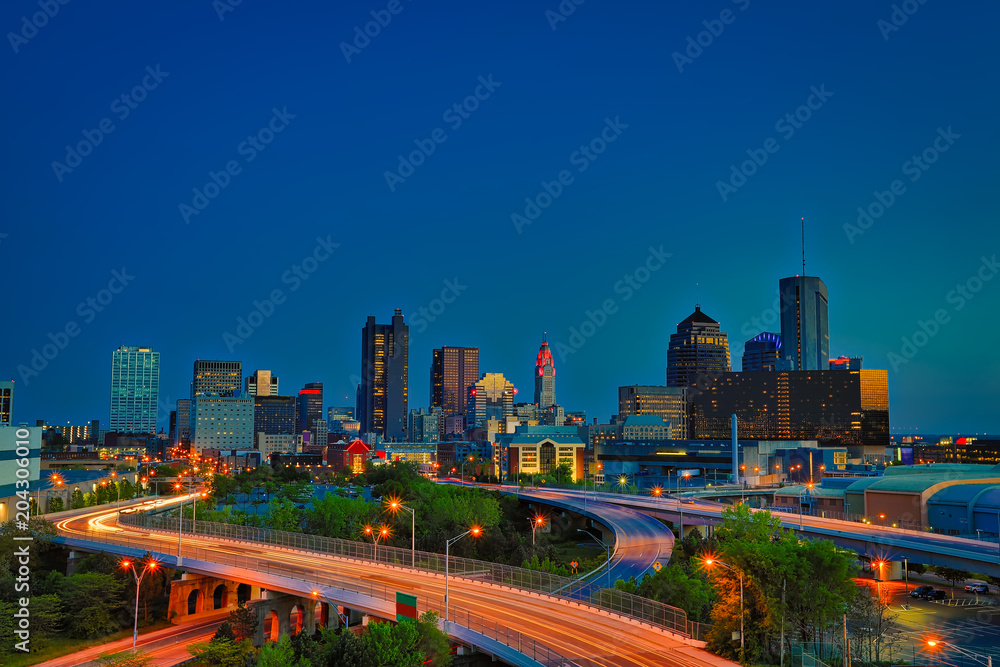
[(978, 588), (934, 594), (920, 590)]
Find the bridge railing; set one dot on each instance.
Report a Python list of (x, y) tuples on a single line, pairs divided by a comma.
[(515, 639), (621, 603)]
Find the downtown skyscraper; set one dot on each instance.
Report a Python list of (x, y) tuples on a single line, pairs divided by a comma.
[(222, 378), (135, 389), (699, 348), (453, 371), (383, 393), (805, 324), (545, 377)]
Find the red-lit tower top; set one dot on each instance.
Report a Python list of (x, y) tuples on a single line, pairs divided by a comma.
[(545, 376)]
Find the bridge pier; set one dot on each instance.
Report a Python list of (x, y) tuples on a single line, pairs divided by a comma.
[(196, 595), (280, 614), (73, 562)]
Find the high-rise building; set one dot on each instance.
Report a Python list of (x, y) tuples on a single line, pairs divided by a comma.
[(222, 422), (490, 398), (762, 353), (135, 389), (275, 415), (453, 370), (699, 348), (183, 421), (668, 403), (339, 414), (423, 426), (261, 383), (221, 378), (383, 393), (6, 401), (805, 326), (839, 408), (846, 364), (310, 405), (545, 377)]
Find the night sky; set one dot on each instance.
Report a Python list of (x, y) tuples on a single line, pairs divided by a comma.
[(261, 134)]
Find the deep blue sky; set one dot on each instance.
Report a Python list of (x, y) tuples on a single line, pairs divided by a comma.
[(323, 175)]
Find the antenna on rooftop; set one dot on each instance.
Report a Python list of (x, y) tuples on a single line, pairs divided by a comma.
[(803, 246)]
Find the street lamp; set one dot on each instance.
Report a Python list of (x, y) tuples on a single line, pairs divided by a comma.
[(463, 468), (607, 547), (709, 562), (975, 656), (475, 531), (382, 533), (148, 566), (538, 521), (393, 505)]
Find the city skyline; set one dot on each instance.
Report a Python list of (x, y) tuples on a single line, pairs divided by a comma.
[(611, 189)]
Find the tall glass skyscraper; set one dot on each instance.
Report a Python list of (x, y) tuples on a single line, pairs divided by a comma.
[(762, 352), (699, 347), (310, 405), (805, 324), (383, 393), (453, 371), (135, 389), (545, 377)]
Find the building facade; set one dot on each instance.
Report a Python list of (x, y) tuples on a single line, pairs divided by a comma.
[(18, 444), (545, 377), (699, 348), (261, 383), (135, 389), (282, 443), (453, 370), (221, 422), (490, 398), (383, 394), (425, 425), (6, 401), (221, 378), (762, 353), (183, 431), (805, 325), (668, 403), (275, 415), (310, 405)]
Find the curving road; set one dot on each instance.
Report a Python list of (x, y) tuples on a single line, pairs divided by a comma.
[(584, 635)]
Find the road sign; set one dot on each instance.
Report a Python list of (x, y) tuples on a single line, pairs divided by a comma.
[(574, 565), (657, 566), (406, 606)]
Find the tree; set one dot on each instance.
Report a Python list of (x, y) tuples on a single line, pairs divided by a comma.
[(243, 620), (55, 504), (434, 644), (952, 575), (77, 500), (280, 654), (394, 645), (563, 474), (284, 515), (349, 650), (222, 652), (124, 659), (872, 629), (92, 603)]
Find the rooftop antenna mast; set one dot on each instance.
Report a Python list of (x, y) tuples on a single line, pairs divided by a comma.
[(803, 246), (697, 296)]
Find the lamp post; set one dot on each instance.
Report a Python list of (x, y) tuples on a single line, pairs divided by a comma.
[(394, 506), (607, 547), (709, 562), (463, 467), (381, 533), (975, 656), (148, 566), (536, 521), (475, 531)]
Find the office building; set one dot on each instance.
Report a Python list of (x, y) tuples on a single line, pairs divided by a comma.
[(339, 414), (310, 405), (762, 353), (261, 383), (222, 422), (836, 408), (846, 364), (183, 421), (221, 378), (425, 425), (699, 348), (17, 444), (321, 435), (6, 401), (668, 403), (383, 393), (805, 326), (646, 428), (282, 443), (275, 415), (490, 398), (545, 377), (453, 370), (135, 389)]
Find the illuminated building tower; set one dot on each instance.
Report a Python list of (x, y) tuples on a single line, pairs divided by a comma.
[(545, 377), (383, 392), (135, 389), (221, 378), (699, 347), (453, 370), (805, 327), (491, 398), (846, 364), (275, 415), (261, 383), (6, 401), (668, 403), (762, 352), (310, 405)]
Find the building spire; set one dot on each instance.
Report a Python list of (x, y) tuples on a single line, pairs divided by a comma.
[(803, 246)]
